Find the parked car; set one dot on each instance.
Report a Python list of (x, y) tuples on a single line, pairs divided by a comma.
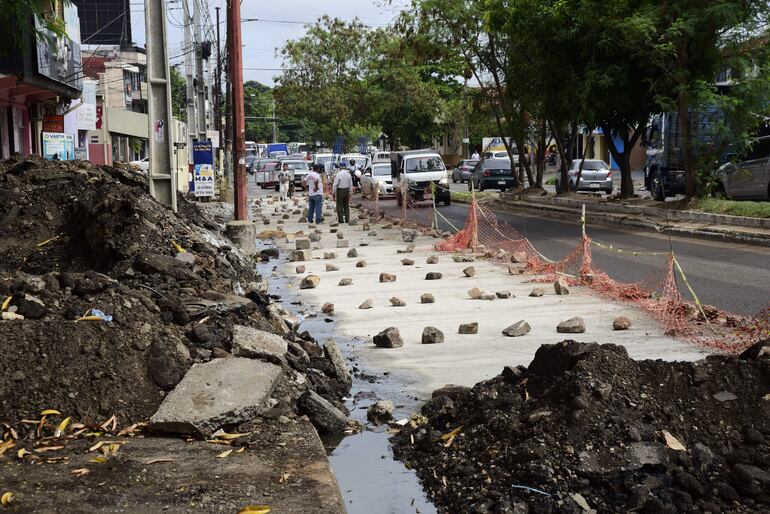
[(299, 169), (419, 171), (266, 173), (377, 177), (462, 173), (142, 164), (747, 175), (495, 173), (380, 156), (596, 176), (502, 154)]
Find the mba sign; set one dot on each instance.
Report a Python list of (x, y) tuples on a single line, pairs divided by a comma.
[(203, 168)]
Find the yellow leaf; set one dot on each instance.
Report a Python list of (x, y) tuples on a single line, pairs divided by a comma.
[(672, 442), (228, 437), (100, 460), (6, 498), (451, 434), (6, 302), (156, 461), (225, 454), (62, 426), (21, 453), (81, 472), (7, 445), (88, 318), (178, 248), (96, 446), (255, 509), (112, 421), (48, 449), (241, 449), (50, 412)]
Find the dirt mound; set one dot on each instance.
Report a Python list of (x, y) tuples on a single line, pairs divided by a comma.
[(585, 427), (109, 297)]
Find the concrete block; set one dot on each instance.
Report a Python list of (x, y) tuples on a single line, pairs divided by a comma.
[(243, 234), (218, 393), (250, 342)]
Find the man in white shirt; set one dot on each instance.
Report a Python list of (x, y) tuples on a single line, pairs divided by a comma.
[(315, 195), (284, 177), (475, 155), (343, 183)]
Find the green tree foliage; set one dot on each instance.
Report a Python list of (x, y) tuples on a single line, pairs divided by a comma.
[(178, 94), (258, 102)]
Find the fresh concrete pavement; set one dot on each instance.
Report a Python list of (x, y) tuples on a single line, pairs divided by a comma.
[(461, 359)]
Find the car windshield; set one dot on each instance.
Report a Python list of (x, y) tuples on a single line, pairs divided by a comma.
[(424, 164), (324, 158), (297, 165), (469, 163), (381, 170), (590, 165)]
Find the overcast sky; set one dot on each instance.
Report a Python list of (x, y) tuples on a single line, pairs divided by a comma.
[(262, 38)]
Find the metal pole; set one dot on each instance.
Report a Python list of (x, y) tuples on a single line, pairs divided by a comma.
[(239, 128), (200, 90), (218, 98), (189, 71), (162, 176)]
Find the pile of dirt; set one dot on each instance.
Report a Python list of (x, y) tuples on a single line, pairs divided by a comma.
[(109, 297), (587, 428)]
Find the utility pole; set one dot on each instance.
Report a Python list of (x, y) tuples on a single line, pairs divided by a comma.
[(235, 61), (162, 173), (275, 126), (218, 98), (200, 91), (189, 71)]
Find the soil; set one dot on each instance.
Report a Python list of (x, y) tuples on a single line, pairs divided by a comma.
[(586, 427), (78, 238)]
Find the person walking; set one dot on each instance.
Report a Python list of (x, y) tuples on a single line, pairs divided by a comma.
[(284, 177), (315, 195), (475, 155), (343, 183)]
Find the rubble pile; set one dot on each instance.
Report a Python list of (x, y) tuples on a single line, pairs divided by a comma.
[(587, 429), (108, 298)]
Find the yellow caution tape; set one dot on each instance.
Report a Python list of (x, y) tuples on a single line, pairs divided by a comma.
[(695, 297), (635, 253), (178, 248)]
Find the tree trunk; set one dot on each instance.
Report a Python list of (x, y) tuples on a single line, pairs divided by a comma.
[(560, 146), (683, 107), (623, 159)]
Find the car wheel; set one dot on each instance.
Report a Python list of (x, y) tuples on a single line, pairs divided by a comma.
[(470, 186), (719, 192), (454, 178)]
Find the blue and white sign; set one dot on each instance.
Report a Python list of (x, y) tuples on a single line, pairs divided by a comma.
[(58, 146), (203, 168)]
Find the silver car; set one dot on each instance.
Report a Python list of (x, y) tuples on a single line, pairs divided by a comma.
[(377, 177), (596, 176), (749, 177)]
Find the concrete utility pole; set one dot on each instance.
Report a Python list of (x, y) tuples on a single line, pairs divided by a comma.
[(162, 173), (275, 126), (200, 90), (235, 67), (189, 71), (218, 97)]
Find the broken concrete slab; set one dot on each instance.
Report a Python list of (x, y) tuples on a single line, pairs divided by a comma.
[(253, 343), (333, 353), (325, 417), (218, 393)]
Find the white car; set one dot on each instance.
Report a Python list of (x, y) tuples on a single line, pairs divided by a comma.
[(381, 157), (421, 173), (377, 178), (595, 176), (143, 164)]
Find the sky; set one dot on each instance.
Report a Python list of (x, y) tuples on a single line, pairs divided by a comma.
[(262, 38)]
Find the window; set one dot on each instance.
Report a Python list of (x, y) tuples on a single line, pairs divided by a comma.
[(759, 149), (424, 164), (381, 170)]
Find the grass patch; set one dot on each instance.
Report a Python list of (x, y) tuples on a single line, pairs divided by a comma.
[(732, 207), (551, 181), (465, 197)]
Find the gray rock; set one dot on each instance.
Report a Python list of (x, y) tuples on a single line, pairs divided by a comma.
[(342, 243), (314, 237), (302, 244), (397, 302), (432, 335), (167, 362), (408, 235), (561, 287), (433, 275), (621, 323), (518, 329), (352, 253), (427, 298), (389, 338), (300, 255), (325, 417), (503, 294), (333, 353), (185, 257), (538, 291), (387, 277), (470, 271), (380, 412), (215, 394), (361, 264), (469, 328), (300, 270), (310, 282), (340, 235), (353, 222), (330, 255), (407, 262), (332, 267), (464, 258), (433, 259), (253, 343), (327, 308), (346, 282), (368, 304), (574, 325)]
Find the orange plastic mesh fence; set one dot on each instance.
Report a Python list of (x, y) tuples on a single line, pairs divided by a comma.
[(658, 294)]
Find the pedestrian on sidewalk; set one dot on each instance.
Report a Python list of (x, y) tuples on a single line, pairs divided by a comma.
[(284, 177), (315, 195), (343, 183)]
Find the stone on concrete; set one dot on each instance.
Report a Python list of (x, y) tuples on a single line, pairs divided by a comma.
[(515, 270), (253, 343), (487, 295), (475, 293), (433, 259), (519, 257), (361, 264), (302, 244), (340, 235), (433, 275), (330, 255), (346, 282), (332, 267), (469, 328), (574, 325), (243, 234), (380, 412), (561, 287), (368, 304), (407, 262), (621, 323), (538, 291), (427, 298), (327, 308), (315, 238), (352, 253), (342, 243), (300, 255), (353, 222), (334, 224), (408, 235), (325, 417), (397, 302), (389, 338), (503, 295), (333, 353), (432, 335), (310, 282), (185, 257), (464, 258), (387, 277), (470, 271), (215, 394), (518, 329)]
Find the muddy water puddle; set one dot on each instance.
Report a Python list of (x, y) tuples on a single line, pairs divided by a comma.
[(370, 479)]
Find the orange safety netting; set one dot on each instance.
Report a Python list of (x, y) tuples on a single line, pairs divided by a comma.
[(658, 294)]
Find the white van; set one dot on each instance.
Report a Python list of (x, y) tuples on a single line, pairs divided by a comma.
[(415, 171)]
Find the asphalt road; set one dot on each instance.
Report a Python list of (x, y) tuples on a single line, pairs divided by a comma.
[(732, 277)]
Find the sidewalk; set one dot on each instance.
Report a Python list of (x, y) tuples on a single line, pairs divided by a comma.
[(652, 217)]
